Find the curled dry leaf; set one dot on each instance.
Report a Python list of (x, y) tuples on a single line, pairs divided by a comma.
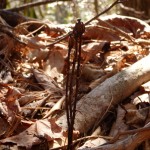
[(136, 118), (138, 98), (100, 34), (34, 42), (10, 109), (105, 28), (62, 48), (92, 49), (145, 87), (128, 24)]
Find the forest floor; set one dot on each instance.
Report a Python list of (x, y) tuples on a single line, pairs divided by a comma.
[(112, 111)]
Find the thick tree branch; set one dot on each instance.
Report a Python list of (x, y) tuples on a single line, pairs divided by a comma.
[(131, 141), (112, 91)]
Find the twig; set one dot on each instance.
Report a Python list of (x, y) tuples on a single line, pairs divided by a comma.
[(32, 4), (132, 11), (112, 5), (129, 142), (31, 33), (84, 138), (117, 30), (37, 108), (59, 39), (42, 23), (70, 33), (9, 31), (129, 132), (41, 104)]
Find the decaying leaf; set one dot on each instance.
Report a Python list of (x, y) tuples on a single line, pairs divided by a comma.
[(46, 81), (41, 128), (54, 65)]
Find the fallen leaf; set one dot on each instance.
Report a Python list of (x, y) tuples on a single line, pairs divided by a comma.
[(54, 65), (46, 81), (41, 128)]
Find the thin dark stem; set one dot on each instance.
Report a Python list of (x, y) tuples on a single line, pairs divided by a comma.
[(77, 78), (71, 97), (59, 39), (67, 88)]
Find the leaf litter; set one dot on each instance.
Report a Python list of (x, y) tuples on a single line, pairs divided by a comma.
[(33, 76)]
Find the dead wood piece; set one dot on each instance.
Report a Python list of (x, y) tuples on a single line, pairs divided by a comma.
[(112, 91), (131, 141)]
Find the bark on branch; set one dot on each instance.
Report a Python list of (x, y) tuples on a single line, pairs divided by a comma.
[(131, 141), (112, 91)]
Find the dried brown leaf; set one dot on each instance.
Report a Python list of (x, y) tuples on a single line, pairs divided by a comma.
[(136, 118), (54, 65), (46, 81), (90, 50), (47, 129)]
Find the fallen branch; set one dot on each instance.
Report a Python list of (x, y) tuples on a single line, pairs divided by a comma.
[(112, 91), (131, 141)]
